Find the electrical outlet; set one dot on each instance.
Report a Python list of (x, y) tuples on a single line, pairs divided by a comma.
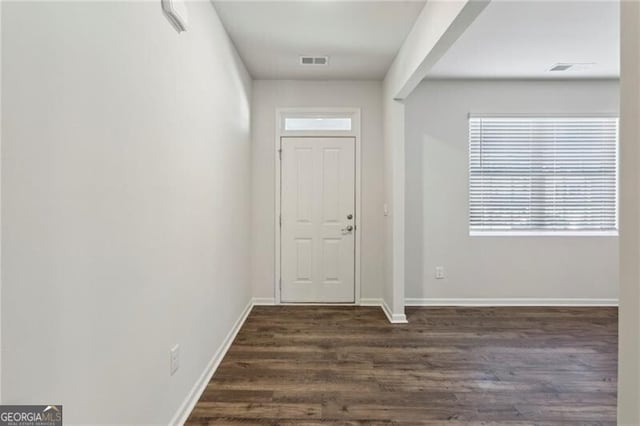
[(439, 272), (174, 359)]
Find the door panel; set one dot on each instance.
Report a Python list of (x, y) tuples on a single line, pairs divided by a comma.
[(331, 186), (318, 195), (304, 258), (304, 185)]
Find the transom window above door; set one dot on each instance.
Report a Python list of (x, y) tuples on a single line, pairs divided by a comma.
[(317, 123), (338, 122)]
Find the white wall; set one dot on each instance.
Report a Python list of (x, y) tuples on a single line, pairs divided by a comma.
[(269, 95), (437, 27), (1, 400), (394, 187), (437, 200), (125, 205), (629, 312), (430, 26)]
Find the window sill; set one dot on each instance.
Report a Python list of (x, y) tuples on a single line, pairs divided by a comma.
[(543, 233)]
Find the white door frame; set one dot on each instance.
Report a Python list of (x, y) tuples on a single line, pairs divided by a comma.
[(281, 113)]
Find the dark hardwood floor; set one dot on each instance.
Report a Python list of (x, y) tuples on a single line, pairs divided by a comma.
[(306, 365)]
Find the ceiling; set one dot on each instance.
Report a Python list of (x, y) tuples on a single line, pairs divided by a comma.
[(523, 39), (361, 38)]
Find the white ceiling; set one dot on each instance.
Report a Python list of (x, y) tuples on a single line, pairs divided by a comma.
[(361, 38), (524, 38)]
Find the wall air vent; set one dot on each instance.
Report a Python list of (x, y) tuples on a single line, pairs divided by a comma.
[(572, 67), (314, 60)]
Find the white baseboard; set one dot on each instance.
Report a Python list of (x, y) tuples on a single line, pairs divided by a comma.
[(510, 302), (371, 302), (393, 318), (316, 304), (189, 403), (264, 301), (194, 395)]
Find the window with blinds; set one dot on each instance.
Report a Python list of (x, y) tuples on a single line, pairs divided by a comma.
[(543, 175)]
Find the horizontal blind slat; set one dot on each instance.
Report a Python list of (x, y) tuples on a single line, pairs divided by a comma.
[(543, 173)]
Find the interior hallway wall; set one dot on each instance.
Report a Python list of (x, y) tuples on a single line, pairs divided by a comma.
[(629, 312), (271, 94), (125, 205), (1, 400), (437, 228)]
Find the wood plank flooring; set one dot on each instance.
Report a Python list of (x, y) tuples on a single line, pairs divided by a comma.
[(308, 365)]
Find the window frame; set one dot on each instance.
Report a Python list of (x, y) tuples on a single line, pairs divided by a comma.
[(545, 232), (284, 113), (280, 114)]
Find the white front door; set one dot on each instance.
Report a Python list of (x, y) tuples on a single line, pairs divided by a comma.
[(318, 219)]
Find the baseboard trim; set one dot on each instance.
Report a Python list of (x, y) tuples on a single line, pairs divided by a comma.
[(393, 318), (264, 301), (194, 395), (187, 406), (317, 304), (371, 302), (510, 302)]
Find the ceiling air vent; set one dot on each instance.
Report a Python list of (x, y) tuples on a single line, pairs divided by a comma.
[(572, 67), (314, 60)]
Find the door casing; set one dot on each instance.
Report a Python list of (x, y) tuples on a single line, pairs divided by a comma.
[(281, 113)]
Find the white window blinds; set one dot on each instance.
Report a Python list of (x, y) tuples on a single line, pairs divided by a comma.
[(543, 174)]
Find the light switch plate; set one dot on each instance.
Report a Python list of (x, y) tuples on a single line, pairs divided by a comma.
[(174, 359)]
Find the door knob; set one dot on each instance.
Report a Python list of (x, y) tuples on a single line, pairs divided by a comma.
[(349, 216), (349, 228)]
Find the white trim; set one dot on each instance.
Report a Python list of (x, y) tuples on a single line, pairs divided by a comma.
[(199, 387), (393, 318), (355, 133), (316, 304), (353, 113), (264, 301), (187, 406), (371, 302), (509, 302), (277, 206), (194, 395), (559, 233)]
